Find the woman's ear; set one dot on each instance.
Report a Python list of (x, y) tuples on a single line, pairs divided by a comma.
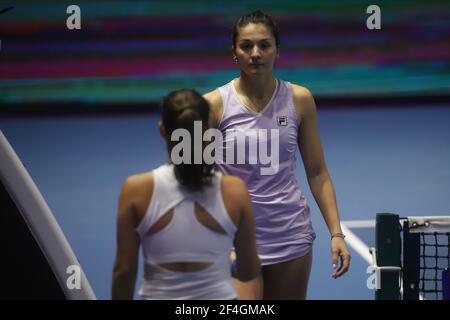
[(162, 130), (234, 55)]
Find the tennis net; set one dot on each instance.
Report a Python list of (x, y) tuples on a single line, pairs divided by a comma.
[(412, 257)]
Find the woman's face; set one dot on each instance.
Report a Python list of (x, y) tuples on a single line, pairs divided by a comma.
[(255, 49)]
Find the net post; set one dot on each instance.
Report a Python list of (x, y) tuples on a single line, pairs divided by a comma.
[(446, 284), (388, 245), (411, 263)]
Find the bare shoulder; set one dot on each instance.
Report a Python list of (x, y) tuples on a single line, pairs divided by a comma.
[(234, 185), (215, 102), (213, 97), (303, 101), (235, 197), (137, 190), (136, 182), (234, 190)]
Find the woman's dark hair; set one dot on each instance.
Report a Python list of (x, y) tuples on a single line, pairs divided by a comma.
[(179, 111), (256, 17)]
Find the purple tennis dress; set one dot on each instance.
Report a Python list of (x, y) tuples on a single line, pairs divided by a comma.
[(261, 149)]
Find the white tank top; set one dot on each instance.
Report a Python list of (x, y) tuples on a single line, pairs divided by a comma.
[(184, 239)]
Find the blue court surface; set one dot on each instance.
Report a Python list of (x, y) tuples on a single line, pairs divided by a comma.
[(387, 159)]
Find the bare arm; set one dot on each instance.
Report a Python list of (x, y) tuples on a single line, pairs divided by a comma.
[(126, 264), (248, 264), (317, 173), (216, 106)]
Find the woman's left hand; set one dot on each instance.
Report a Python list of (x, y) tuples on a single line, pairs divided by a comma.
[(339, 250)]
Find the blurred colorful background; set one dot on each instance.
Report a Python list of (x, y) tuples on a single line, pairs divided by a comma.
[(133, 52)]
